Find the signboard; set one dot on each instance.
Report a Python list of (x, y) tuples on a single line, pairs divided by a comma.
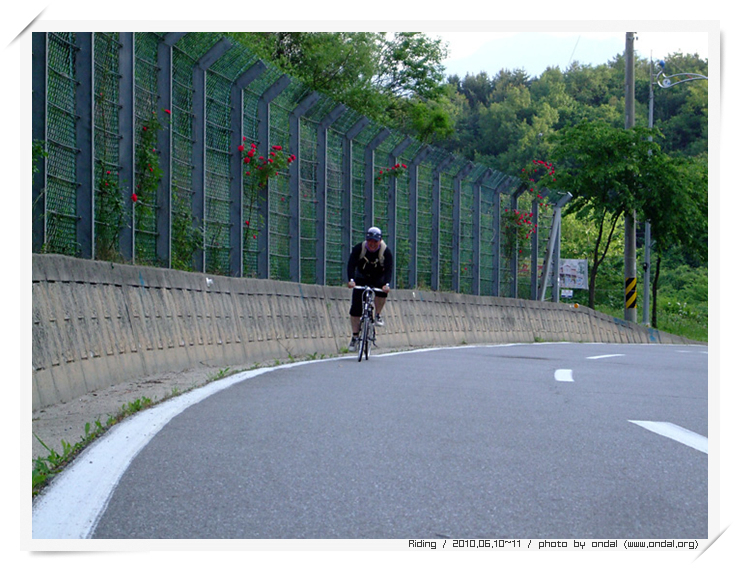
[(574, 274)]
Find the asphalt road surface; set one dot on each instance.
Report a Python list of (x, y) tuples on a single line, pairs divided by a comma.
[(517, 441)]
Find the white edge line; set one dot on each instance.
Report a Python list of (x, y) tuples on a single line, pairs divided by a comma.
[(72, 504), (606, 356), (677, 433)]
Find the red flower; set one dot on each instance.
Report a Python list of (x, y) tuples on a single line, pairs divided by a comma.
[(167, 111), (134, 197), (246, 222), (241, 148), (246, 160), (277, 147)]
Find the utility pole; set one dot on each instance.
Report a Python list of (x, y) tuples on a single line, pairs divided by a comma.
[(630, 238)]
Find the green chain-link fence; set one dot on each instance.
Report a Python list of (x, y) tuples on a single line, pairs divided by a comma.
[(95, 94)]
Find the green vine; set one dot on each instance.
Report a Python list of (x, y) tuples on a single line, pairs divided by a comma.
[(518, 226), (258, 170)]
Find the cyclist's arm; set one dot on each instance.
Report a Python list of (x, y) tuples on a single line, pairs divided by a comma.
[(352, 264), (387, 269)]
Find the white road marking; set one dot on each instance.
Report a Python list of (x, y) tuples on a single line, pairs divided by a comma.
[(677, 433), (71, 506), (606, 356), (564, 375)]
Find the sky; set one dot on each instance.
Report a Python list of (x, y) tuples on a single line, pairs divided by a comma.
[(475, 51)]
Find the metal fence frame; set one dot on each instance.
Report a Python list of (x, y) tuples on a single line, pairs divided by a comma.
[(93, 91)]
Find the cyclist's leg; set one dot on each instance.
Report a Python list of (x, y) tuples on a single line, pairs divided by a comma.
[(380, 299), (355, 311)]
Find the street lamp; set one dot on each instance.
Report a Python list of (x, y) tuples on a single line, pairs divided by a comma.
[(666, 82)]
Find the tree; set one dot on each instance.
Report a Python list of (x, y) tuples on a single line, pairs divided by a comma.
[(677, 210), (383, 76), (609, 171)]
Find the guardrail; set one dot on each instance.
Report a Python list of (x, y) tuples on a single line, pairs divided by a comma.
[(98, 323)]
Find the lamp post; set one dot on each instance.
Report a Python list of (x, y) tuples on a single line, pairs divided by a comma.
[(666, 82)]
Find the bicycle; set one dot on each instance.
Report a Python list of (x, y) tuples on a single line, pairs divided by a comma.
[(367, 321)]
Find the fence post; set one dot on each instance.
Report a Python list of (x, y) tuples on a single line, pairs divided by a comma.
[(294, 170), (370, 176), (347, 172), (514, 262), (391, 231), (236, 184), (164, 144), (436, 217), (200, 71), (477, 184), (321, 190), (456, 200), (414, 212), (263, 206), (127, 154), (39, 121), (85, 133), (500, 185)]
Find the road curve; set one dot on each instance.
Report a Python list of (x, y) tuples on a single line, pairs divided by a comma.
[(475, 442)]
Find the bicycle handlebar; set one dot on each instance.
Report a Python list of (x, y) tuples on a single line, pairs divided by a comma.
[(368, 287)]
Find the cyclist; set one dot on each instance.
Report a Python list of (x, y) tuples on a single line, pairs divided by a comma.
[(369, 264)]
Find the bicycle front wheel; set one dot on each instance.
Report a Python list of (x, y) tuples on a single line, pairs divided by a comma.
[(364, 340)]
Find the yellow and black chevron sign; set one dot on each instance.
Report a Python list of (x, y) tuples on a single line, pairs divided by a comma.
[(630, 293)]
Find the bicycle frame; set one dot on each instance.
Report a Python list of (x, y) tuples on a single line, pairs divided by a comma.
[(367, 321)]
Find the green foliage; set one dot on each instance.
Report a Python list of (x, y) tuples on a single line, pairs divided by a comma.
[(393, 78)]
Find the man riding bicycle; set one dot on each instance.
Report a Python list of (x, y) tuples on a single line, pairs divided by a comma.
[(369, 264)]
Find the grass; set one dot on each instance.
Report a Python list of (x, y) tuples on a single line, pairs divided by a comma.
[(44, 468), (676, 318)]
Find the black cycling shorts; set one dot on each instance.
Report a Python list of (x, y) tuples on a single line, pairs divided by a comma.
[(355, 309)]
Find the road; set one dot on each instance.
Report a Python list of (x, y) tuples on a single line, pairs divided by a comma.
[(512, 441)]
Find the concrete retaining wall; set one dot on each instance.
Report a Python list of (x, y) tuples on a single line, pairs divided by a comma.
[(96, 323)]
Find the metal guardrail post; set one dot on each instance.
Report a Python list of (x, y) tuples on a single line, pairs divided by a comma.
[(477, 184), (414, 212), (370, 176), (85, 133), (236, 167), (164, 144), (294, 170), (321, 190), (391, 232), (347, 171), (436, 217), (456, 199), (127, 144), (200, 71), (501, 184), (263, 135), (39, 57)]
